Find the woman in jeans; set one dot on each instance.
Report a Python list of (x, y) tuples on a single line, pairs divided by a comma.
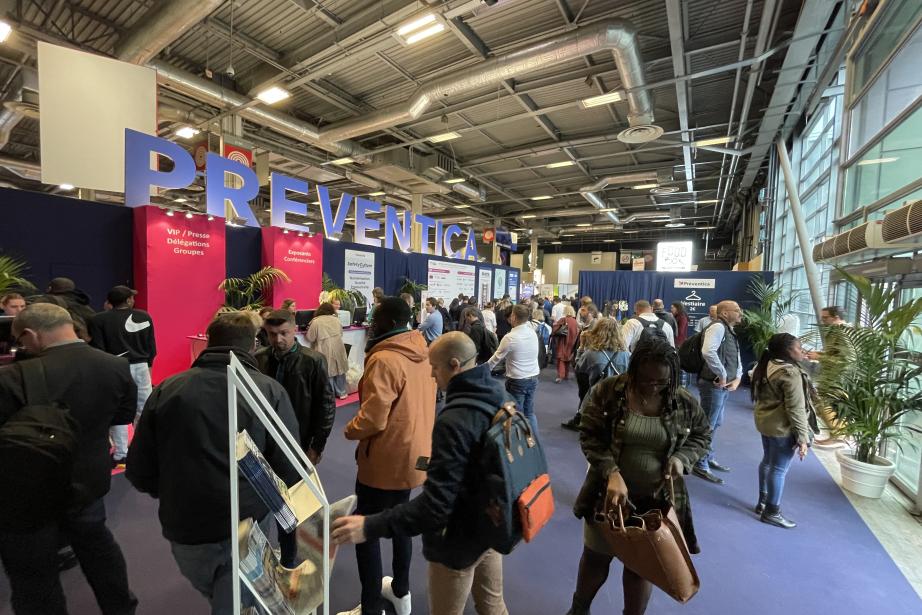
[(325, 335), (784, 416), (564, 335), (638, 431)]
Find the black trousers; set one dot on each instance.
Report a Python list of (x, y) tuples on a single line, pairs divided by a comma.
[(31, 563), (582, 384), (368, 554)]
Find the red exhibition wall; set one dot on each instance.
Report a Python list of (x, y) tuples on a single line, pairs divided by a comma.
[(178, 264), (299, 255)]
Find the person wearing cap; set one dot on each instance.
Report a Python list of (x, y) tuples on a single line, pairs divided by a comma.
[(126, 331), (78, 302), (393, 428)]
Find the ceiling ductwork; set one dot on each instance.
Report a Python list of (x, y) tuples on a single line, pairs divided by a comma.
[(616, 35), (153, 33), (22, 104), (593, 192)]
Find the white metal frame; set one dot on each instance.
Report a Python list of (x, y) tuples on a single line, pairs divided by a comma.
[(240, 382)]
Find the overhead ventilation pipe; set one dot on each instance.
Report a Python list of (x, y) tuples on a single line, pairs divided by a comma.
[(161, 27), (593, 192), (615, 35)]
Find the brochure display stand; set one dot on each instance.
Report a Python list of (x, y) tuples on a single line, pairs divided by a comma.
[(302, 509)]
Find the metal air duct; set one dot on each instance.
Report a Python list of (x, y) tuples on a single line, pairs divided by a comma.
[(593, 192), (615, 35), (24, 89), (162, 27)]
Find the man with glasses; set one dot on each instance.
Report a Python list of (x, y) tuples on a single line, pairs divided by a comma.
[(461, 562), (722, 372)]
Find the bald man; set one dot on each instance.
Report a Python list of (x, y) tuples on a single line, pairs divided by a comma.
[(461, 561), (721, 375)]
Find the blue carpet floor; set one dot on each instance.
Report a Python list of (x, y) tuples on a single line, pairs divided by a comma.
[(830, 564)]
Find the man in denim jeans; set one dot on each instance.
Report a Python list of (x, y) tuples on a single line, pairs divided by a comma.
[(721, 374), (519, 348)]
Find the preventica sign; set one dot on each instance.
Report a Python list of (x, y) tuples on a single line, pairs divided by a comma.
[(142, 149)]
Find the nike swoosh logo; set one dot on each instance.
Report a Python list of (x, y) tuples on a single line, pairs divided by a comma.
[(133, 327)]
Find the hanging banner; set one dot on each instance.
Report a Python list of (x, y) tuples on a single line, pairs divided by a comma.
[(513, 285), (499, 283), (360, 272), (485, 286), (178, 264), (447, 280), (300, 256)]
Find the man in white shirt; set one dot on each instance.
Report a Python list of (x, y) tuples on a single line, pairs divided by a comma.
[(723, 369), (645, 320), (557, 310), (519, 348), (702, 323)]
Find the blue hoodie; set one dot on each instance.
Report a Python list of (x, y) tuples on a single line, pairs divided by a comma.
[(446, 513)]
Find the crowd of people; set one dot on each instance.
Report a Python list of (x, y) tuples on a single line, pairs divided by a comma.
[(640, 429)]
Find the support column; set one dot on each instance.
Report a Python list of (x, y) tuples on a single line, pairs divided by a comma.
[(806, 251), (416, 235), (533, 255), (495, 260)]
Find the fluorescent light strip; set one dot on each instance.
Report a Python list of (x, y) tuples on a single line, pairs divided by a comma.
[(430, 31), (5, 31), (462, 206), (340, 161), (604, 99), (584, 224), (714, 141), (445, 136), (454, 180), (543, 197), (644, 186), (273, 94), (186, 132), (416, 24), (865, 163), (559, 165), (378, 193), (528, 216)]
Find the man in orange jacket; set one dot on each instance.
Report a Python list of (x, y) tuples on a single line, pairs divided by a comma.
[(394, 429)]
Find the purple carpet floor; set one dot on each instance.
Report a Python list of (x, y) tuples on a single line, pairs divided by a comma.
[(831, 563)]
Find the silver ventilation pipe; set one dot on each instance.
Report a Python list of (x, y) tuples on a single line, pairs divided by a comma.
[(165, 25), (593, 192), (615, 35), (24, 96), (596, 201), (214, 94)]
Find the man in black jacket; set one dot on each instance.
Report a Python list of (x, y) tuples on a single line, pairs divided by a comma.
[(126, 332), (180, 456), (659, 309), (98, 391), (78, 302), (446, 513), (303, 373)]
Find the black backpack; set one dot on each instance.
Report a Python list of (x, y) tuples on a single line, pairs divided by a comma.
[(542, 350), (691, 359), (490, 342), (652, 328), (512, 460), (37, 448)]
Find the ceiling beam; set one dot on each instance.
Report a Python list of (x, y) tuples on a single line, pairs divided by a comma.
[(313, 7), (677, 44)]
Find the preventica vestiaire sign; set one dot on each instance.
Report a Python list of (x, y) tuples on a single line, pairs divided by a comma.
[(140, 149)]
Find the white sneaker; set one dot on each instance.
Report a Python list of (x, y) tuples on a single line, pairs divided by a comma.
[(356, 611), (401, 605)]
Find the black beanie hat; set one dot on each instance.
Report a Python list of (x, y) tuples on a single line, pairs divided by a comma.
[(396, 309)]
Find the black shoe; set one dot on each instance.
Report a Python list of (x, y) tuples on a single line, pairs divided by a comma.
[(707, 476), (572, 424), (777, 519), (67, 559), (760, 506), (716, 466)]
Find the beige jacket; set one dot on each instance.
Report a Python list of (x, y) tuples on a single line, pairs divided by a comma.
[(396, 413), (325, 335)]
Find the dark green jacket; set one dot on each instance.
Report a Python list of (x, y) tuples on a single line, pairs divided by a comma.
[(600, 428)]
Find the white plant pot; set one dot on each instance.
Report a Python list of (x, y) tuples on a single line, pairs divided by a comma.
[(865, 479)]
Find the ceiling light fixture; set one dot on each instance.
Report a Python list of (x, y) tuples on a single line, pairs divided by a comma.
[(708, 201), (445, 136), (559, 165), (453, 180), (584, 224), (568, 235), (187, 132), (714, 141), (674, 224), (610, 241), (180, 200), (5, 31), (378, 193), (865, 163), (644, 186), (604, 99), (462, 206), (66, 186), (341, 161), (188, 215), (527, 216), (169, 212), (420, 28), (543, 197), (273, 94), (556, 243)]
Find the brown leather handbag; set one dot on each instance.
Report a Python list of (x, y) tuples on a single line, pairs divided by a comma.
[(653, 546)]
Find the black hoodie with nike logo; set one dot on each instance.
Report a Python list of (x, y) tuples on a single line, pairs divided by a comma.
[(125, 333)]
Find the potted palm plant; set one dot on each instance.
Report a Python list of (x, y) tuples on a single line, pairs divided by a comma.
[(249, 293), (11, 275), (348, 299), (765, 318), (872, 383)]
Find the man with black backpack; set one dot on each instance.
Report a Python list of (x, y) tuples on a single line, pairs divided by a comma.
[(54, 486), (645, 323), (447, 512)]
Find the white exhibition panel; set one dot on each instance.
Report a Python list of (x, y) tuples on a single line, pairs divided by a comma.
[(674, 256), (359, 272), (448, 279), (87, 103), (499, 283), (485, 286)]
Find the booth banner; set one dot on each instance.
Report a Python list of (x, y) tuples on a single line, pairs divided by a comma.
[(300, 256), (359, 272), (449, 279), (499, 283), (513, 285), (178, 264), (485, 286)]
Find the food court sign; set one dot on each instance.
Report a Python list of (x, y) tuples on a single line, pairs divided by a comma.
[(141, 149)]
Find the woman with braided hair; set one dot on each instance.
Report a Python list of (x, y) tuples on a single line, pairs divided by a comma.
[(639, 430)]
